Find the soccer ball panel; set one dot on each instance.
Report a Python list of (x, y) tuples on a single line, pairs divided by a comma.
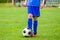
[(26, 32)]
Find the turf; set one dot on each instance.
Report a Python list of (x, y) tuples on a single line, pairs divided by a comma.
[(14, 20)]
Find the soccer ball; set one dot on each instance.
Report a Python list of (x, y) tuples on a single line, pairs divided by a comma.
[(26, 32)]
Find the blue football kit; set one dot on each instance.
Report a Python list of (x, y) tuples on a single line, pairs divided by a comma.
[(33, 2), (34, 9)]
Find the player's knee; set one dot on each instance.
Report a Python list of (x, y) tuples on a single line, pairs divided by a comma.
[(35, 18), (30, 15)]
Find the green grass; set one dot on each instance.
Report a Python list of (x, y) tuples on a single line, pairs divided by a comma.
[(14, 20), (6, 5)]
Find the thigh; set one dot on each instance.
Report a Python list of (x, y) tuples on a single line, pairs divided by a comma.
[(36, 11), (29, 10)]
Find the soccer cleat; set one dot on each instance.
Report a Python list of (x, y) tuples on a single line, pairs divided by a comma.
[(33, 35)]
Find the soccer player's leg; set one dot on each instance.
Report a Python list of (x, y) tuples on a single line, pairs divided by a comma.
[(30, 21), (30, 18), (36, 14), (35, 25)]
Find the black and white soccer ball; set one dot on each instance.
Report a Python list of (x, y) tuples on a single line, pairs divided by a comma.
[(26, 32)]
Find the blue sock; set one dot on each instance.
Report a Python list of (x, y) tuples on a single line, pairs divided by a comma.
[(35, 26), (30, 23)]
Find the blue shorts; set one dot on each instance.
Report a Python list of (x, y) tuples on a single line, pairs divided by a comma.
[(34, 10)]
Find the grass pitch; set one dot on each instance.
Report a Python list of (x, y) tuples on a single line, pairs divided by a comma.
[(14, 20)]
